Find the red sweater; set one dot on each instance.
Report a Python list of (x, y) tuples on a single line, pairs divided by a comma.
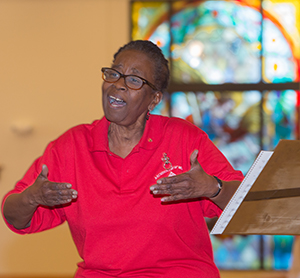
[(120, 229)]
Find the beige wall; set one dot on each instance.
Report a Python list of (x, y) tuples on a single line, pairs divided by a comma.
[(51, 52)]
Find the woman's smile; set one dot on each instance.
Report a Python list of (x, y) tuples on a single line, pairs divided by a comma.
[(116, 102)]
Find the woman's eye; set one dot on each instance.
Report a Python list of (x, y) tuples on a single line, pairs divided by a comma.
[(113, 74), (134, 80)]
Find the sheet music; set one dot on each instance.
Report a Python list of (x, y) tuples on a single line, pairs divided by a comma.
[(241, 192)]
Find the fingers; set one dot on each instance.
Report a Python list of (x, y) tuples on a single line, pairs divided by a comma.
[(57, 193), (168, 189), (48, 193), (177, 187), (63, 190), (171, 193), (175, 191), (52, 193), (173, 180)]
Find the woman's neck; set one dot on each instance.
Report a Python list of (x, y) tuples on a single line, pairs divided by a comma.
[(123, 139)]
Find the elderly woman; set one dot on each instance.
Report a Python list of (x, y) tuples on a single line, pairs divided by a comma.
[(133, 187)]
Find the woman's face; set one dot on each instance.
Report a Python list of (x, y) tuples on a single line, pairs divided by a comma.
[(131, 105)]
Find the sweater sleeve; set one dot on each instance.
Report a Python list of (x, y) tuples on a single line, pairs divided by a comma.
[(215, 163), (44, 218)]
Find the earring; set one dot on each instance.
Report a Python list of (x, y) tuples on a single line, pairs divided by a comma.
[(148, 115)]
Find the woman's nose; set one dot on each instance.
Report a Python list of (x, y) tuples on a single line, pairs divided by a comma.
[(120, 84)]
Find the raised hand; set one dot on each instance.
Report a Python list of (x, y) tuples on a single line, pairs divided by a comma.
[(47, 193), (19, 208), (192, 184)]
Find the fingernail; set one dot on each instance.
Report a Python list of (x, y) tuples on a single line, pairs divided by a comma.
[(152, 188), (69, 185), (155, 191), (159, 182), (163, 199)]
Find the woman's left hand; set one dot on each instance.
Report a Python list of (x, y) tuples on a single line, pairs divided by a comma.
[(192, 184)]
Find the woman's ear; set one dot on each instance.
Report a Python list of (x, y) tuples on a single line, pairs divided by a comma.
[(156, 100)]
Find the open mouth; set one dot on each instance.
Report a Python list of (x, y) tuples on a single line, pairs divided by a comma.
[(116, 102)]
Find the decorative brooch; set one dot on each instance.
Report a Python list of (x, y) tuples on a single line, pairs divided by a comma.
[(167, 164)]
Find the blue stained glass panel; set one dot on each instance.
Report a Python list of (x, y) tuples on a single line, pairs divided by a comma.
[(280, 117), (278, 252), (236, 252), (231, 120), (216, 42)]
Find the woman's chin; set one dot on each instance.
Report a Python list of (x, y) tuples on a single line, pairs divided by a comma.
[(115, 117)]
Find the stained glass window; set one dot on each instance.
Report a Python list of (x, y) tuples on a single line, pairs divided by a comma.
[(281, 43), (237, 252), (231, 120), (235, 69), (280, 109)]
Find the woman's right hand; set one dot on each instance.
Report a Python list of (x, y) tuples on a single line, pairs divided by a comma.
[(47, 193)]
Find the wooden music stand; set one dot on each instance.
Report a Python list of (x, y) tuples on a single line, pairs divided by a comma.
[(268, 200)]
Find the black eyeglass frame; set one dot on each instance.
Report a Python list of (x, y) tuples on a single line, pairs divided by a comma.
[(124, 76)]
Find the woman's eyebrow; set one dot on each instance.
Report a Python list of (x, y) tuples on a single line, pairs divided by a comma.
[(116, 66), (136, 71), (120, 66)]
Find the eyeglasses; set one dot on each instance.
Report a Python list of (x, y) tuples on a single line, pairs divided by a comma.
[(133, 82)]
